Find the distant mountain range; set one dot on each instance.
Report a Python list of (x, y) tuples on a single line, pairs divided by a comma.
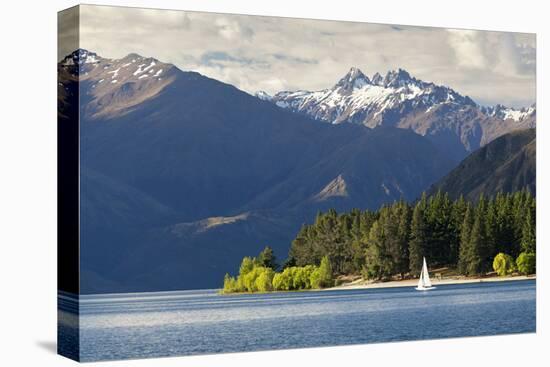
[(183, 175), (451, 121), (506, 164)]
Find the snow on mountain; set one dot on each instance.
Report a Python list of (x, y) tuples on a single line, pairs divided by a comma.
[(509, 113), (112, 86), (356, 98), (452, 121), (94, 68), (79, 57), (263, 95)]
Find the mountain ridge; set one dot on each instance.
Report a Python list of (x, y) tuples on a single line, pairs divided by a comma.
[(200, 168), (506, 164), (400, 100), (185, 168)]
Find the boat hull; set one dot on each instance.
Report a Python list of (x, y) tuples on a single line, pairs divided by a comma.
[(424, 288)]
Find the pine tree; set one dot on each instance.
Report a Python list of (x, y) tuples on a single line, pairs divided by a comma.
[(303, 250), (391, 244), (491, 232), (474, 265), (342, 246), (267, 259), (403, 234), (465, 235), (528, 234), (504, 237), (445, 232), (477, 256), (457, 218), (517, 217), (418, 237), (378, 263)]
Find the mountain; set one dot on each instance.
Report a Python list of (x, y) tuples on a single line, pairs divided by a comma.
[(507, 113), (263, 95), (183, 175), (110, 88), (454, 123), (366, 171), (506, 164)]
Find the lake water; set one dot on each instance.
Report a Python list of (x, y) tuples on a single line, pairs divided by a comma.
[(144, 325)]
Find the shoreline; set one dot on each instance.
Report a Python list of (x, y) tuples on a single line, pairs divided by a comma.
[(359, 284), (435, 282), (397, 284)]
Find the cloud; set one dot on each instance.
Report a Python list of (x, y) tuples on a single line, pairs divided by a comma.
[(513, 57), (67, 32), (223, 59), (299, 60), (272, 54), (231, 29), (468, 48), (498, 52)]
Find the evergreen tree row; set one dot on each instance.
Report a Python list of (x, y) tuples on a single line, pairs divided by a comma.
[(394, 239)]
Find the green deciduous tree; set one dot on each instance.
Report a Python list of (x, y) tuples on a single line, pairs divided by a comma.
[(526, 263), (247, 264), (322, 276), (504, 264), (264, 281), (302, 277), (282, 281), (230, 284)]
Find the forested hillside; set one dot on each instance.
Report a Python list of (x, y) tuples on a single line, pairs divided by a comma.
[(506, 164), (393, 240)]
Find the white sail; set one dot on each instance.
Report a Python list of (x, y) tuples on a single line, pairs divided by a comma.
[(421, 279), (424, 282), (425, 275)]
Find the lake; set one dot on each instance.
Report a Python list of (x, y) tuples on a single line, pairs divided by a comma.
[(140, 325)]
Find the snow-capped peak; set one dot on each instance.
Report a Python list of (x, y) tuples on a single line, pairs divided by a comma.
[(398, 78), (125, 82), (263, 95), (80, 56), (508, 113), (358, 99), (377, 79), (354, 79)]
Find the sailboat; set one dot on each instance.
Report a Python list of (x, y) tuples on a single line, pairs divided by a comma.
[(424, 283)]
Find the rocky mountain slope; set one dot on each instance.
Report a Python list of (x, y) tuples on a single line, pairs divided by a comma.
[(453, 122), (183, 175)]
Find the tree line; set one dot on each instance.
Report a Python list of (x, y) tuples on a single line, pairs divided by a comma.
[(472, 237), (393, 240), (258, 274)]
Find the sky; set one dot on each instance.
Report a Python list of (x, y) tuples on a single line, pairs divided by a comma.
[(273, 54)]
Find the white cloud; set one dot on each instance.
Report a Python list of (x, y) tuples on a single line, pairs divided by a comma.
[(231, 29), (271, 54), (468, 48)]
